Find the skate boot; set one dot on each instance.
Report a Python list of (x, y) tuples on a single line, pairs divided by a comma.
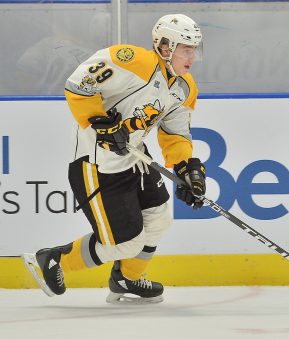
[(48, 260), (145, 291)]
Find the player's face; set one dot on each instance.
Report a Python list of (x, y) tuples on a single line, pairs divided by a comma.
[(183, 58)]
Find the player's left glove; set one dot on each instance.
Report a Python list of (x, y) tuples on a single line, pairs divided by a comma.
[(194, 174), (112, 133)]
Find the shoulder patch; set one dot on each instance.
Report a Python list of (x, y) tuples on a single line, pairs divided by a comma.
[(134, 59), (125, 54)]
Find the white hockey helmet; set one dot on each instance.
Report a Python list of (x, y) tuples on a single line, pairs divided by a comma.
[(173, 29)]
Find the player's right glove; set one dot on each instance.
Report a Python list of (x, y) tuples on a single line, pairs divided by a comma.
[(194, 174), (112, 133)]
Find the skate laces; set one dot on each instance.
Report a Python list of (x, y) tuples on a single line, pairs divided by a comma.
[(60, 277), (143, 283)]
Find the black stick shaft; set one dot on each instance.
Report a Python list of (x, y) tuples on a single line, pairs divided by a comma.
[(214, 206)]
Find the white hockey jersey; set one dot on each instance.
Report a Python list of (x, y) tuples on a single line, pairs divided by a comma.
[(135, 81)]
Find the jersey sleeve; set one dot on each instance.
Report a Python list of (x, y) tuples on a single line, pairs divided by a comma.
[(107, 74), (83, 88), (174, 135)]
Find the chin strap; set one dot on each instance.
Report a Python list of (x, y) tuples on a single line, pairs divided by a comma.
[(168, 63), (170, 67)]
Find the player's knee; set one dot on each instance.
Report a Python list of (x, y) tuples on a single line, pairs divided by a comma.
[(127, 249), (156, 221), (132, 247)]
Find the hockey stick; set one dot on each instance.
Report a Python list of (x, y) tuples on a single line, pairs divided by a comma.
[(217, 208)]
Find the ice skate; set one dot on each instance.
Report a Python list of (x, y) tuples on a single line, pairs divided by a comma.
[(45, 267), (141, 290)]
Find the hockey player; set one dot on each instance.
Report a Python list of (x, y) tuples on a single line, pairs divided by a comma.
[(117, 96)]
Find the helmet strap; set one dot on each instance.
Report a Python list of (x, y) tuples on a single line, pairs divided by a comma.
[(170, 67), (168, 61)]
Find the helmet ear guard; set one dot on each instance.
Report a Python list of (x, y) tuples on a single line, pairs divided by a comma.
[(172, 30), (161, 51)]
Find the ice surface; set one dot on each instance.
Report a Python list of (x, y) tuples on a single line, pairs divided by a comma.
[(189, 312)]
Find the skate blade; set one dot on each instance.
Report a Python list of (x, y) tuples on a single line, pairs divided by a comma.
[(119, 298), (31, 264)]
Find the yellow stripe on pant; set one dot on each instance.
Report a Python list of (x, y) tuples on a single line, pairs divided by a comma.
[(101, 207), (96, 204)]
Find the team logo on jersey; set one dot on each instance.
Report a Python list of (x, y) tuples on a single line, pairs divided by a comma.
[(157, 84), (88, 84), (125, 54), (144, 118)]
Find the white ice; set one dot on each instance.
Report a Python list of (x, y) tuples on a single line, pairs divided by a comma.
[(189, 312)]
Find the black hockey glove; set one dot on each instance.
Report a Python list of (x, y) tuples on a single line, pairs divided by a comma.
[(112, 133), (194, 174)]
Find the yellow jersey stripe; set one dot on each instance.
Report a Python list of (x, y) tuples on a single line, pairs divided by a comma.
[(175, 148), (192, 98), (84, 107)]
